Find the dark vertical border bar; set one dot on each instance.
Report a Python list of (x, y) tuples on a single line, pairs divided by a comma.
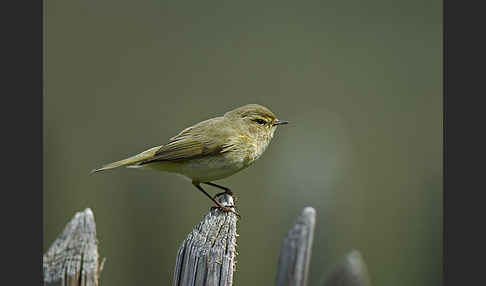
[(464, 155), (21, 118), (39, 64)]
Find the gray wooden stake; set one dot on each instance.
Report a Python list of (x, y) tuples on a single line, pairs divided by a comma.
[(295, 253), (351, 271), (207, 255), (73, 257)]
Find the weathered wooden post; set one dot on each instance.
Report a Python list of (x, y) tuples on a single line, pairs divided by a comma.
[(207, 255), (205, 258), (72, 260), (351, 271), (295, 253)]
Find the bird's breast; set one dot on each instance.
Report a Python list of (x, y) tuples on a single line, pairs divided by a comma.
[(256, 148), (211, 168)]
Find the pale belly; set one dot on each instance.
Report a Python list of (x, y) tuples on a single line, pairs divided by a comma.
[(201, 170)]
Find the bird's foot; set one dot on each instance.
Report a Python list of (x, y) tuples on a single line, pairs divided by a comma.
[(227, 209), (226, 193)]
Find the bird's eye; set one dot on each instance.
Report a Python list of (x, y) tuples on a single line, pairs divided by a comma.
[(260, 121)]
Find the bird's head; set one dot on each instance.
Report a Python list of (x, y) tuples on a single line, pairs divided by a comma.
[(257, 120)]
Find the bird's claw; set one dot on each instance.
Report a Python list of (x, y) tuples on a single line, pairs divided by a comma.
[(227, 209), (226, 193)]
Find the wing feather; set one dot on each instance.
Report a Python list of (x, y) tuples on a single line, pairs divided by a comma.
[(205, 138)]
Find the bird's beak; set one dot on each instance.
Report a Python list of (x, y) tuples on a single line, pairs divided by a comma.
[(280, 122)]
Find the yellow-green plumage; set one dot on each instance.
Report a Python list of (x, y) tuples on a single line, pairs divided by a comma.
[(129, 161), (212, 149)]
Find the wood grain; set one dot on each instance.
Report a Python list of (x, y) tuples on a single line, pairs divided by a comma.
[(295, 253), (207, 255), (73, 257)]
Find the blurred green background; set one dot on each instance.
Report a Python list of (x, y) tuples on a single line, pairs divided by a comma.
[(360, 82)]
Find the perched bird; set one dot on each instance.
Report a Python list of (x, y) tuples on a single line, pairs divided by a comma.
[(212, 149)]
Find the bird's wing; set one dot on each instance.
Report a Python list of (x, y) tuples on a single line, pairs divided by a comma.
[(205, 138)]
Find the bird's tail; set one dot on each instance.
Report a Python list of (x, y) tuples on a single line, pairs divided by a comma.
[(113, 165), (128, 162)]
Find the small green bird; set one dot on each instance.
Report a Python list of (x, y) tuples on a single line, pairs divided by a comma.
[(212, 149)]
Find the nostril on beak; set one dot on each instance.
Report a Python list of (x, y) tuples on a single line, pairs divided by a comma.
[(280, 122)]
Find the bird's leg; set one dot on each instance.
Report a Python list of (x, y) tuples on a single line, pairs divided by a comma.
[(226, 209), (226, 190)]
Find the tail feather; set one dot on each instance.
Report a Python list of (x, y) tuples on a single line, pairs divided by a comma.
[(128, 162), (113, 165)]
